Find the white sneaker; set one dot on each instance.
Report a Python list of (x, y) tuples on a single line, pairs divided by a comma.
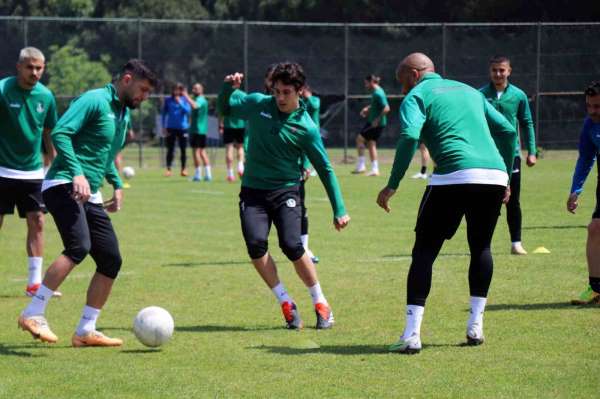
[(517, 249), (475, 334), (419, 176), (359, 170), (373, 172), (409, 346)]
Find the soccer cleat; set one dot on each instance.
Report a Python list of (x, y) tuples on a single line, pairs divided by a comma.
[(475, 334), (31, 290), (230, 179), (358, 170), (374, 172), (184, 173), (291, 316), (94, 338), (517, 249), (38, 327), (207, 178), (197, 178), (325, 318), (168, 173), (587, 297), (408, 346), (240, 173), (315, 259), (419, 175)]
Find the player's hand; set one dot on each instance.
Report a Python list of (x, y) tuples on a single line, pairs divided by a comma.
[(531, 160), (384, 197), (364, 112), (305, 174), (235, 79), (572, 203), (81, 189), (221, 129), (506, 197), (341, 222), (114, 204), (375, 122)]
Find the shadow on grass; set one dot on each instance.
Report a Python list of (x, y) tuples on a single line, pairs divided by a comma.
[(8, 296), (443, 255), (531, 306), (141, 351), (209, 263), (348, 350), (215, 328), (575, 226), (16, 350)]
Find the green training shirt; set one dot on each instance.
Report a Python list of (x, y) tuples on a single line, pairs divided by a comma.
[(231, 122), (514, 105), (88, 137), (458, 126), (313, 107), (199, 122), (276, 143), (378, 103), (23, 116)]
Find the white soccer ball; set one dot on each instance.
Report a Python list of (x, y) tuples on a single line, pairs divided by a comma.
[(128, 172), (153, 326)]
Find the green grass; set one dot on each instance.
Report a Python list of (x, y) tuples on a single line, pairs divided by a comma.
[(183, 250)]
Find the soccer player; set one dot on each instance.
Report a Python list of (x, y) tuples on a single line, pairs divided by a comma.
[(198, 129), (233, 130), (87, 138), (280, 131), (512, 102), (472, 146), (176, 121), (422, 174), (589, 147), (376, 121), (27, 113)]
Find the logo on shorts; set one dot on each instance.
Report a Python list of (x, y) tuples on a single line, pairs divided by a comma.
[(266, 115), (14, 105), (111, 115), (290, 203), (39, 108), (242, 206)]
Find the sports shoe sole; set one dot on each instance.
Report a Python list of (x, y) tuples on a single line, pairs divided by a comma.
[(474, 341)]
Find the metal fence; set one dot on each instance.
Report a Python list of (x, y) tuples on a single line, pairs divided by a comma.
[(552, 62)]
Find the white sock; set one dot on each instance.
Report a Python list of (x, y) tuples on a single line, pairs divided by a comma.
[(375, 165), (515, 243), (39, 301), (229, 172), (304, 239), (317, 294), (87, 323), (240, 167), (414, 317), (477, 309), (361, 162), (207, 171), (281, 293), (35, 270), (199, 171)]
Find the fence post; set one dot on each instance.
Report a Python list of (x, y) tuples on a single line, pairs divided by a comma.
[(246, 56), (346, 44), (537, 82), (140, 116), (444, 50), (25, 32)]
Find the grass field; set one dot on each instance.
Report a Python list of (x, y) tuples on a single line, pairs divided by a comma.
[(183, 250)]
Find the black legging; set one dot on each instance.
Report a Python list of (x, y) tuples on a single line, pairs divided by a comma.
[(304, 221), (513, 207), (181, 136)]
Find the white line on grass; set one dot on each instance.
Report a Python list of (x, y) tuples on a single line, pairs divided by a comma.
[(208, 192)]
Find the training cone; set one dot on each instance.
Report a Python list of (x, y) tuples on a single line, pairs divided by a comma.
[(541, 250)]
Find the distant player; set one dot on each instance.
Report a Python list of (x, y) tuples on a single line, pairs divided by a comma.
[(589, 147), (422, 174), (175, 115), (512, 102), (233, 130), (198, 130), (472, 146), (376, 121), (87, 138), (280, 132), (27, 113)]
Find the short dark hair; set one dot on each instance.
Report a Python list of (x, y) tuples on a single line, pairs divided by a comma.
[(373, 78), (593, 89), (498, 59), (289, 73), (139, 70)]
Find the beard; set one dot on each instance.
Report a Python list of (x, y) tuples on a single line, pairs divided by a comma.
[(130, 102)]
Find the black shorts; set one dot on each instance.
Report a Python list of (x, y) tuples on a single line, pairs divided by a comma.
[(84, 228), (596, 214), (443, 207), (261, 208), (233, 136), (25, 194), (371, 133), (197, 140)]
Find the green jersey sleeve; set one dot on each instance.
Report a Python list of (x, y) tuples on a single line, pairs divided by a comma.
[(526, 124), (51, 116), (503, 133), (112, 174), (412, 119), (80, 111), (242, 107)]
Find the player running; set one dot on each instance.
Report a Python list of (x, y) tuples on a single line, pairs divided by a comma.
[(280, 132), (87, 138)]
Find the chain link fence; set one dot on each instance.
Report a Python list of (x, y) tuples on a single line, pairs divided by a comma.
[(552, 62)]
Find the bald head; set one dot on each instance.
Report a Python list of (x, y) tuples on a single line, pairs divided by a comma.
[(418, 61), (411, 69)]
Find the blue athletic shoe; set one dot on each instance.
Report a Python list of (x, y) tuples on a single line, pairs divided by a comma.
[(207, 178)]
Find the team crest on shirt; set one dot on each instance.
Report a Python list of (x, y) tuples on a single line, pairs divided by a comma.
[(111, 115), (266, 115), (39, 108), (290, 203), (14, 105)]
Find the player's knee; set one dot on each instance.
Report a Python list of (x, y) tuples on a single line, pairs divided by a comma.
[(257, 248), (292, 249), (594, 228), (36, 222), (78, 251), (110, 265)]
